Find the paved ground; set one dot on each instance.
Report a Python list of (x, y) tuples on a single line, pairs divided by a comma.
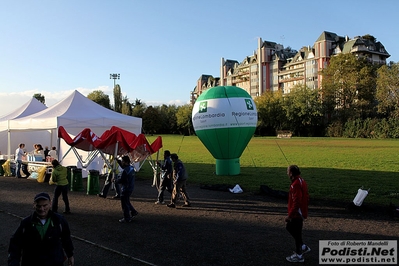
[(220, 228)]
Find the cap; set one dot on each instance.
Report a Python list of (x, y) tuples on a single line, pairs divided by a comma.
[(42, 195)]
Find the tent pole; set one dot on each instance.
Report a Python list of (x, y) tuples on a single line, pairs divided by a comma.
[(58, 148), (9, 142), (113, 171), (65, 154)]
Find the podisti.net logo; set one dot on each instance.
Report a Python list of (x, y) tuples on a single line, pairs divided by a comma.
[(349, 252)]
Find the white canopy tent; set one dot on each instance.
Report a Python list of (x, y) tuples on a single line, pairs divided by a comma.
[(74, 113), (30, 107)]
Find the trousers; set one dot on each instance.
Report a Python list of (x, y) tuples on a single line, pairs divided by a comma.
[(294, 227)]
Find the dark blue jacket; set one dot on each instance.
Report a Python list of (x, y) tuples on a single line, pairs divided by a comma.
[(180, 171), (49, 251), (167, 168), (127, 180)]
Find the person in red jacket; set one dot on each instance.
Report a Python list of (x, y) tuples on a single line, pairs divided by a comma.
[(298, 200)]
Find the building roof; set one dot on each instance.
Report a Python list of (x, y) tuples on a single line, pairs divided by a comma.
[(204, 77), (329, 36), (364, 45), (269, 44), (230, 63)]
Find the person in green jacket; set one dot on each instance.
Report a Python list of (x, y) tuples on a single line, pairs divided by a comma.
[(59, 178)]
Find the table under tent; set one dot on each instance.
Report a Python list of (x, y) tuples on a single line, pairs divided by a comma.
[(114, 143)]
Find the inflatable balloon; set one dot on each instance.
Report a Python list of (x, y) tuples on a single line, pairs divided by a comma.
[(224, 119)]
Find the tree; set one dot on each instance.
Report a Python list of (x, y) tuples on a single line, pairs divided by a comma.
[(117, 99), (369, 37), (137, 102), (126, 106), (168, 121), (100, 97), (271, 116), (183, 118), (39, 97), (138, 110), (151, 120), (303, 111), (388, 90), (348, 87)]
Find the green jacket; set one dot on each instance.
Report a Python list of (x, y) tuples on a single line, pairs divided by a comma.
[(59, 175)]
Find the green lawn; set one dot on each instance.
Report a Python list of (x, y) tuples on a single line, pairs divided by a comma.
[(335, 168)]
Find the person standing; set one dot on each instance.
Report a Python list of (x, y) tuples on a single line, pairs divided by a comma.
[(34, 148), (19, 153), (53, 153), (127, 186), (180, 177), (166, 177), (108, 181), (41, 238), (298, 200), (46, 151), (59, 178), (38, 152)]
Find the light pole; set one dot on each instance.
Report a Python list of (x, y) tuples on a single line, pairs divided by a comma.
[(114, 76)]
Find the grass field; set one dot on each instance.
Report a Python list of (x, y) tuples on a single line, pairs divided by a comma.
[(335, 168)]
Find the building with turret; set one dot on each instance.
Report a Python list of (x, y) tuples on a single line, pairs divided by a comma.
[(274, 68)]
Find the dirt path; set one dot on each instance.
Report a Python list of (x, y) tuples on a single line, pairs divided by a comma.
[(220, 228)]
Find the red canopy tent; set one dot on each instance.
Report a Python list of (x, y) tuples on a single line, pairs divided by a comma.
[(115, 141)]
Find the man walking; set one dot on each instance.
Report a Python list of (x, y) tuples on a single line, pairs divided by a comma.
[(127, 186), (298, 200), (166, 177), (112, 172), (180, 178), (60, 179), (41, 238), (19, 153)]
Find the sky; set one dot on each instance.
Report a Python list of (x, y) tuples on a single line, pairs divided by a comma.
[(160, 48)]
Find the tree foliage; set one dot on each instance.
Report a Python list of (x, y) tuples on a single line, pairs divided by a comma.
[(348, 87), (126, 106), (270, 112), (100, 97), (167, 114), (151, 121), (369, 37), (300, 112), (138, 110), (39, 97), (117, 99), (388, 90), (303, 111), (183, 119)]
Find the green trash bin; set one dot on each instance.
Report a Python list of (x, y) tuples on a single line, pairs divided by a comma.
[(69, 174), (76, 180), (93, 183)]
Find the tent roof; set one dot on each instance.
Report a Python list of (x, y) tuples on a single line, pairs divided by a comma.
[(75, 111), (123, 140), (30, 107)]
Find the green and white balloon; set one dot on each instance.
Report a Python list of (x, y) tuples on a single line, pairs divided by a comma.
[(224, 119)]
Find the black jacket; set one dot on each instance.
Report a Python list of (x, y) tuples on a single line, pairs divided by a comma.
[(27, 243)]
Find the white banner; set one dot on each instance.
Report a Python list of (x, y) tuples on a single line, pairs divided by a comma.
[(224, 113)]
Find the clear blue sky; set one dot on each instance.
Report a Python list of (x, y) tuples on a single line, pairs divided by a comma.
[(160, 48)]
